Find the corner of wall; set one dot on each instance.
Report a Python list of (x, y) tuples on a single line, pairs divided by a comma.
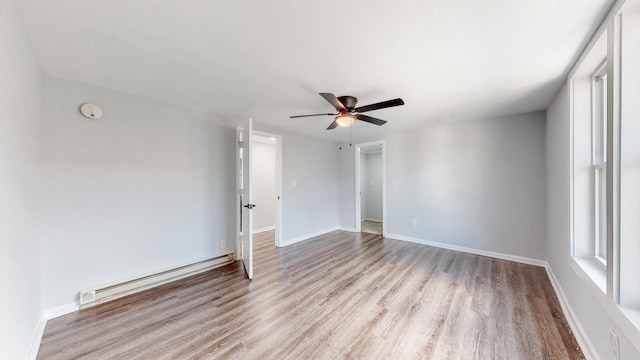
[(37, 337)]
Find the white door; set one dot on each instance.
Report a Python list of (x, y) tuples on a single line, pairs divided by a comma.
[(245, 237)]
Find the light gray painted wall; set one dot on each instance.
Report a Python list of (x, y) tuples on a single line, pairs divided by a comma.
[(590, 311), (148, 187), (630, 161), (20, 97), (373, 184), (263, 174), (477, 184), (346, 186), (310, 206)]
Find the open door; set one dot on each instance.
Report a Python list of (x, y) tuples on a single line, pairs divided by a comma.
[(245, 237)]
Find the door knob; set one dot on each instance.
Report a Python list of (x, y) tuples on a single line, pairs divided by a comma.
[(250, 206)]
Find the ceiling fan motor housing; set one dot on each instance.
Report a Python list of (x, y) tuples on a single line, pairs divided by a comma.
[(349, 102)]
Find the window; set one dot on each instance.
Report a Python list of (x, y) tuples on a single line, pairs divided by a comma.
[(605, 166), (589, 175), (599, 164)]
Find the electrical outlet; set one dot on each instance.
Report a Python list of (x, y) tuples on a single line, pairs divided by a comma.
[(615, 344), (414, 222), (223, 244)]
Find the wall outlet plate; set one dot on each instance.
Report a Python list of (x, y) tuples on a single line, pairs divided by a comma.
[(223, 244), (615, 344)]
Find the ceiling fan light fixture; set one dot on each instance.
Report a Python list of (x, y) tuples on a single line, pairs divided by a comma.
[(346, 105), (345, 119)]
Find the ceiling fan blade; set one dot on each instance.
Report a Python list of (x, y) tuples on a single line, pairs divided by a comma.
[(299, 116), (380, 105), (370, 119), (333, 125), (333, 100)]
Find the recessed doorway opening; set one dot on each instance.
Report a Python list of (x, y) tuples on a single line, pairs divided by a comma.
[(370, 190), (266, 185)]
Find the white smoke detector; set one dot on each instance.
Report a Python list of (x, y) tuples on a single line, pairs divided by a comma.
[(91, 111)]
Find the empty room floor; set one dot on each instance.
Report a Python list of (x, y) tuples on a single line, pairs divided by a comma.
[(340, 295)]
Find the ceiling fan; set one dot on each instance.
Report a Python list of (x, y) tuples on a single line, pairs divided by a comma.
[(346, 107)]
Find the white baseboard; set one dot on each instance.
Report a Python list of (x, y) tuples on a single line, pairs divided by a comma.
[(37, 338), (47, 315), (307, 236), (268, 228), (576, 327), (344, 228), (520, 259), (374, 220), (58, 311)]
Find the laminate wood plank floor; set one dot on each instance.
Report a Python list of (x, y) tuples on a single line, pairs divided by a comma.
[(338, 296), (372, 227)]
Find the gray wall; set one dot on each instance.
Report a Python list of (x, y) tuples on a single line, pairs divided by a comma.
[(592, 311), (310, 206), (372, 184), (263, 193), (630, 162), (20, 93), (346, 186), (477, 184), (147, 187)]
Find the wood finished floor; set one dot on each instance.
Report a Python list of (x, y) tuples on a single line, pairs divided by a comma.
[(371, 227), (339, 296)]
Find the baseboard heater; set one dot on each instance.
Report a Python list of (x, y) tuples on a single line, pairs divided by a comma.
[(92, 297)]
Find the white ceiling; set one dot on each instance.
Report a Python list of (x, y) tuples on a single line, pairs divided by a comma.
[(448, 60)]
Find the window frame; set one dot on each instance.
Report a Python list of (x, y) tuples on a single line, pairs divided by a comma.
[(599, 125), (620, 300)]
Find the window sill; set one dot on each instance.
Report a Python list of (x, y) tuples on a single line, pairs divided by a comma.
[(632, 314), (627, 319), (592, 271)]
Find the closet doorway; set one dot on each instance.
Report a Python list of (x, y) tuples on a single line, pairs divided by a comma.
[(266, 190), (370, 190)]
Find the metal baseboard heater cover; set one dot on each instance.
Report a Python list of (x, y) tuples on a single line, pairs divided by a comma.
[(92, 297)]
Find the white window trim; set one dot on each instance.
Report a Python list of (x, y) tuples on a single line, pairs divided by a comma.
[(581, 80), (598, 159), (626, 318)]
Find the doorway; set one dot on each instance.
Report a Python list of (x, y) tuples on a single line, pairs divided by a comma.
[(370, 187), (267, 179)]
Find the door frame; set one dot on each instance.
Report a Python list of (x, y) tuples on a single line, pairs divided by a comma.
[(278, 165), (358, 190), (243, 194)]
